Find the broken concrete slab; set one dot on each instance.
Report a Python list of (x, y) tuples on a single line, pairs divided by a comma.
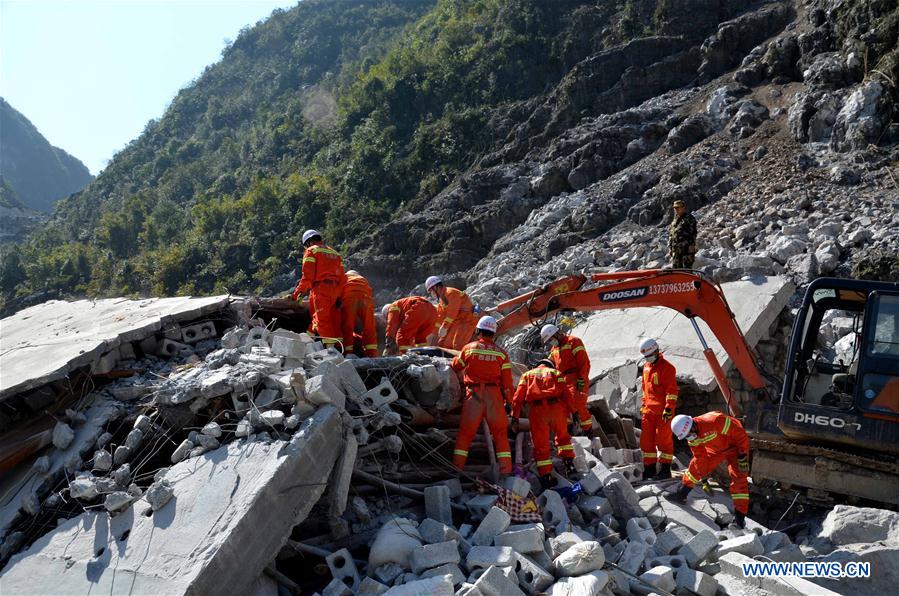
[(232, 508), (441, 585), (609, 335), (732, 564), (46, 342)]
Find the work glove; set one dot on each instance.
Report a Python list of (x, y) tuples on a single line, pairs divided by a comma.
[(338, 303), (680, 496), (667, 413), (581, 384), (743, 463)]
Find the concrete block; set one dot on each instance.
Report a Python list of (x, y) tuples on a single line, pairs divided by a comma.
[(495, 583), (379, 396), (609, 456), (653, 511), (342, 475), (63, 435), (441, 585), (676, 562), (790, 553), (434, 555), (532, 578), (438, 505), (631, 472), (433, 531), (337, 588), (605, 534), (343, 568), (451, 569), (632, 558), (314, 359), (289, 347), (371, 587), (231, 510), (732, 564), (194, 333), (468, 589), (593, 507), (495, 523), (660, 577), (387, 573), (552, 507), (624, 500), (687, 516), (519, 486), (593, 481), (696, 582), (639, 528), (482, 557), (479, 506), (774, 540), (613, 553), (350, 381), (102, 460), (529, 540), (321, 390), (723, 515), (699, 547), (748, 545)]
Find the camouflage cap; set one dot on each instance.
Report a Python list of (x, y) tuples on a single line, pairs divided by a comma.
[(678, 203)]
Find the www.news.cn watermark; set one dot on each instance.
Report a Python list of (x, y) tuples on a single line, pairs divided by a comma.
[(830, 570)]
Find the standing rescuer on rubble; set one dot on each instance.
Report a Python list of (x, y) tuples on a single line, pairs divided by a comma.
[(569, 356), (487, 376), (549, 399), (455, 314), (714, 437), (323, 279), (358, 310), (410, 321), (682, 237), (659, 403)]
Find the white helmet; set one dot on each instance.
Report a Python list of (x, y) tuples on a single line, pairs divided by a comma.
[(547, 331), (681, 426), (431, 282), (648, 346), (310, 234), (487, 323), (385, 310), (352, 272)]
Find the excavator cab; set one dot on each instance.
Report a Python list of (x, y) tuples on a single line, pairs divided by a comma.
[(842, 375)]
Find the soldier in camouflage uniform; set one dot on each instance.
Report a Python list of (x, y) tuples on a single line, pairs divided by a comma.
[(682, 237)]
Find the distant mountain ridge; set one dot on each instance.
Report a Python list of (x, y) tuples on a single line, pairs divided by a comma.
[(39, 173)]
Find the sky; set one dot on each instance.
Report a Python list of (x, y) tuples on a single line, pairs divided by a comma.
[(90, 74)]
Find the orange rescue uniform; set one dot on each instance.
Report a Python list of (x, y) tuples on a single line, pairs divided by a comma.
[(487, 376), (549, 399), (659, 392), (411, 320), (720, 437), (359, 310), (570, 358), (457, 317), (323, 278)]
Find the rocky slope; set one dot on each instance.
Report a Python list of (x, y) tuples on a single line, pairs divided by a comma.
[(779, 130)]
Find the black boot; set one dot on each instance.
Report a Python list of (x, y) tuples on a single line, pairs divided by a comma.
[(740, 519), (570, 470), (546, 481), (664, 472), (649, 471), (680, 496), (589, 433)]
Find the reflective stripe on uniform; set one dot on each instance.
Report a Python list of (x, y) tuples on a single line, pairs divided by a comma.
[(325, 250), (586, 423), (448, 320), (393, 309), (566, 448), (504, 366), (691, 477), (500, 454), (460, 452), (308, 259), (696, 442), (486, 353), (739, 496), (578, 349), (726, 426), (649, 454), (544, 462), (666, 456), (566, 347), (402, 347), (671, 397), (370, 347)]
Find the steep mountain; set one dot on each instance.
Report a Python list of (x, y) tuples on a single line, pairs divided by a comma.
[(16, 220), (39, 173), (503, 142)]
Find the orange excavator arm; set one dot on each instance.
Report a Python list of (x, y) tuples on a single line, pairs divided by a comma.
[(688, 292)]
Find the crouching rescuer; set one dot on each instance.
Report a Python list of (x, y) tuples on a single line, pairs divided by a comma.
[(549, 399), (659, 403), (487, 376), (714, 437), (569, 356)]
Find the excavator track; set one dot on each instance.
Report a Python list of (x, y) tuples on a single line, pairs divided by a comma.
[(826, 475)]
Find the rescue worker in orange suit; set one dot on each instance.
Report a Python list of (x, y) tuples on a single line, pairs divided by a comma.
[(714, 437), (323, 279), (410, 321), (456, 319), (569, 356), (549, 398), (358, 310), (659, 403), (487, 377)]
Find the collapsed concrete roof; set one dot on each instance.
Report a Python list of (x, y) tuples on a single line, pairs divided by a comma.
[(46, 342)]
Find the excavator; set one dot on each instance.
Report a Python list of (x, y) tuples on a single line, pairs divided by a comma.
[(832, 427)]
